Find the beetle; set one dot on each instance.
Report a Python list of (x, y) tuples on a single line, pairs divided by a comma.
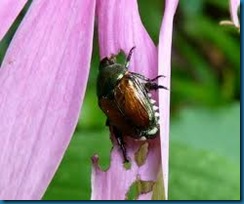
[(125, 98)]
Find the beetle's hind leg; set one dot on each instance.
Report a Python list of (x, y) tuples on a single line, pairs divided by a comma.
[(159, 76), (150, 85), (145, 78), (119, 138), (154, 86)]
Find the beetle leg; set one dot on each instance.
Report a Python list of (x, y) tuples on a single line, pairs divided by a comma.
[(127, 63), (154, 86), (140, 76), (154, 79), (145, 78), (119, 138)]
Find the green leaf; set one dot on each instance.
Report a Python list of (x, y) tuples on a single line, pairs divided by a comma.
[(216, 130), (202, 175)]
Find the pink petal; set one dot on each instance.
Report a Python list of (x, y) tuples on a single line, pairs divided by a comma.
[(9, 10), (120, 27), (234, 5), (164, 62), (123, 29), (43, 80)]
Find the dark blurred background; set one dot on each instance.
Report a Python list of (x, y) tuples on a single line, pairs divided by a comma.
[(205, 108)]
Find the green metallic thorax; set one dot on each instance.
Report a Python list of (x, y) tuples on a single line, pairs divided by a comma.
[(108, 78)]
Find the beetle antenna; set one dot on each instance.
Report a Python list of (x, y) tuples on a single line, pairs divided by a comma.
[(127, 63)]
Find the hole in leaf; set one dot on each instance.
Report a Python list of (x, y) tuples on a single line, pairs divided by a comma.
[(139, 187), (141, 154), (127, 165)]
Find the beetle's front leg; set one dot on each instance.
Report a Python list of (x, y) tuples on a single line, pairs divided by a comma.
[(127, 63)]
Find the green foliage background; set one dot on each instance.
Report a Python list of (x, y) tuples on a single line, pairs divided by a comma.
[(205, 109)]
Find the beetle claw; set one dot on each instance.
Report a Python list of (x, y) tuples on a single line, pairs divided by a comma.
[(159, 76), (162, 87)]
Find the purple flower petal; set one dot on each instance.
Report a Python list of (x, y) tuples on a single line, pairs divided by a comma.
[(9, 10), (164, 62), (42, 84), (120, 28), (234, 5)]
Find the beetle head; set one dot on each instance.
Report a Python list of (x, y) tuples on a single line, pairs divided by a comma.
[(105, 62)]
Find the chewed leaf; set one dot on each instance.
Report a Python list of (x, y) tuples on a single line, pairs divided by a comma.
[(120, 28)]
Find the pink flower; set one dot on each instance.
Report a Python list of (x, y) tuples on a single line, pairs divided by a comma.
[(120, 27), (42, 84), (9, 9)]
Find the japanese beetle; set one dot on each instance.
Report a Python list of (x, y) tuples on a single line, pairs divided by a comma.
[(125, 99)]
